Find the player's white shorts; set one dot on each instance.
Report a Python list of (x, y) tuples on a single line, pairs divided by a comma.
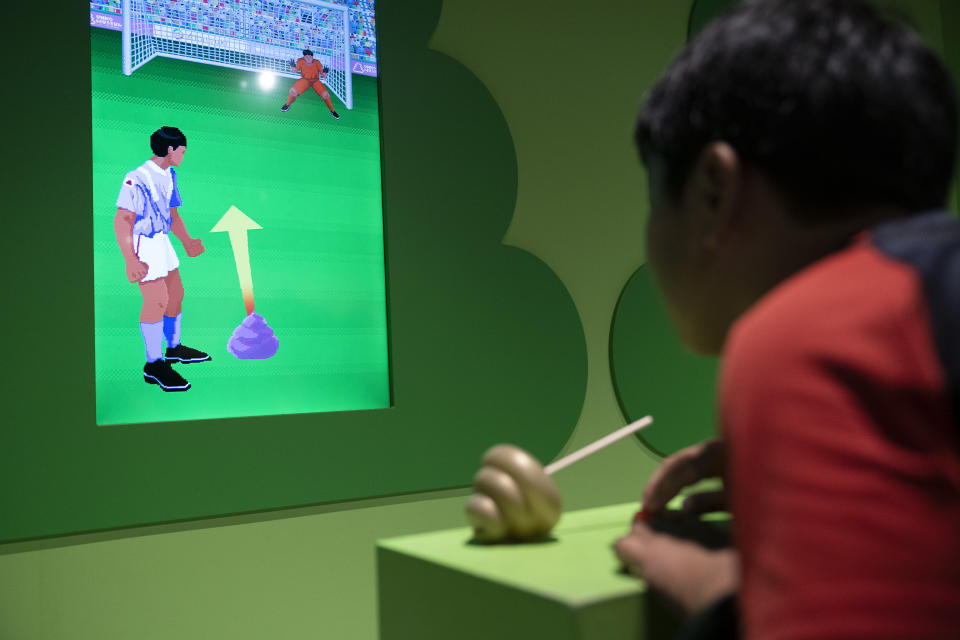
[(157, 253)]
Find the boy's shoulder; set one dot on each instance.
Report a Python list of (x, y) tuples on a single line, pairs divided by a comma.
[(885, 297), (930, 243)]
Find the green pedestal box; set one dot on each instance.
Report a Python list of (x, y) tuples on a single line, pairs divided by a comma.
[(443, 586)]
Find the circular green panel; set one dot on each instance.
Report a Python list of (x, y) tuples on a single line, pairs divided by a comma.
[(654, 374)]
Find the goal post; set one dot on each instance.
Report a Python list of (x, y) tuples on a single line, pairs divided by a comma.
[(251, 35), (138, 46)]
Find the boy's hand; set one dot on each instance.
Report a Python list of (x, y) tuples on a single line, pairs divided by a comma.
[(136, 270), (193, 246), (682, 469), (692, 576)]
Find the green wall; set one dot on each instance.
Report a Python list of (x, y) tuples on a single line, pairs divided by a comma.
[(486, 343), (568, 83)]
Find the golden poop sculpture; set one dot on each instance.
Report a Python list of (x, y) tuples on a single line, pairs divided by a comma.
[(515, 497)]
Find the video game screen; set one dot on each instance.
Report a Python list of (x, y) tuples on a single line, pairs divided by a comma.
[(237, 209)]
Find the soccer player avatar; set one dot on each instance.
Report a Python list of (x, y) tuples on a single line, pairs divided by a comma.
[(146, 215), (310, 73)]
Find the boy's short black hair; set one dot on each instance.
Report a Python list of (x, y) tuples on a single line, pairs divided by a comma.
[(307, 52), (836, 104), (165, 137)]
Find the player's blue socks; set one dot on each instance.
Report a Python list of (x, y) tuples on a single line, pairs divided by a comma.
[(153, 339), (171, 330)]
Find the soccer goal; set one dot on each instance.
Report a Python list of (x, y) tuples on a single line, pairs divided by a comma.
[(254, 35)]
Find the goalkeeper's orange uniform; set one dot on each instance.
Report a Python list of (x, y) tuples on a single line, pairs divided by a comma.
[(310, 77)]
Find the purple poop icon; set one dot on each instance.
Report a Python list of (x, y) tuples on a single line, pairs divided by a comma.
[(253, 339)]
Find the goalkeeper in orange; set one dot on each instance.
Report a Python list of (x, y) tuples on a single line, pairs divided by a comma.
[(310, 73)]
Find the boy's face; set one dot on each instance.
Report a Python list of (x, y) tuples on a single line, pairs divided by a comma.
[(670, 257), (176, 155), (308, 59), (693, 262)]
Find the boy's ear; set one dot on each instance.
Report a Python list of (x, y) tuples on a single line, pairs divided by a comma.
[(715, 184)]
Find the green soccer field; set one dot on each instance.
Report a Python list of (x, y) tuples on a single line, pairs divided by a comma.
[(312, 183)]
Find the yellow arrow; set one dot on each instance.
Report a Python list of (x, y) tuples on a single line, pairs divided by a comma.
[(236, 224)]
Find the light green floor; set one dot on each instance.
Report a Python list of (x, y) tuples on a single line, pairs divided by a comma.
[(312, 183)]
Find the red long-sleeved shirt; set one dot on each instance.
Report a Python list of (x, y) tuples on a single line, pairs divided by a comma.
[(839, 401)]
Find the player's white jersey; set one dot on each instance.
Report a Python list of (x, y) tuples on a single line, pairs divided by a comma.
[(150, 192)]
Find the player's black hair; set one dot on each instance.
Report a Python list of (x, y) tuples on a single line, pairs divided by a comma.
[(836, 104), (307, 52), (165, 137)]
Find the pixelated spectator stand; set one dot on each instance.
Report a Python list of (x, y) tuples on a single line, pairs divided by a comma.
[(252, 35)]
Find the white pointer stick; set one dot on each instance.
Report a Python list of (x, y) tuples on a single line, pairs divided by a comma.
[(592, 448)]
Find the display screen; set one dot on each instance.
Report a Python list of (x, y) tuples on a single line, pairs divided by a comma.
[(237, 210)]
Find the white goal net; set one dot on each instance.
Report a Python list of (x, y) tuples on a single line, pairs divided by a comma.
[(254, 35)]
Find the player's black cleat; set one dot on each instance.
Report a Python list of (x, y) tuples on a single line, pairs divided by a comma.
[(182, 353), (285, 108), (335, 114), (161, 373)]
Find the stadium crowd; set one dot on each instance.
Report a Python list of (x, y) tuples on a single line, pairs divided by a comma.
[(282, 22)]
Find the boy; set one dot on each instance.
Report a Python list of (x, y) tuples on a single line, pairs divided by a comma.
[(146, 215), (798, 154), (310, 73)]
